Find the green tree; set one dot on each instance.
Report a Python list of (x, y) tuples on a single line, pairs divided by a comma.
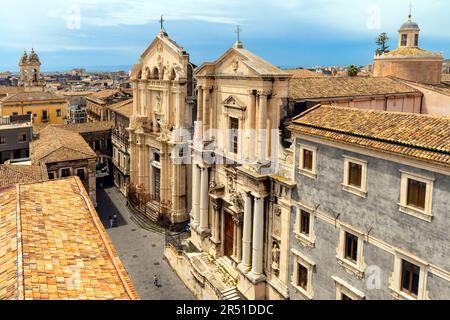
[(382, 42), (352, 71)]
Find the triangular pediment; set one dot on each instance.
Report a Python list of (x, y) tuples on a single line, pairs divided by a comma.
[(240, 62), (232, 101)]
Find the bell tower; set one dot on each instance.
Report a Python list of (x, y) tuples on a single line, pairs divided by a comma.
[(30, 72), (408, 35)]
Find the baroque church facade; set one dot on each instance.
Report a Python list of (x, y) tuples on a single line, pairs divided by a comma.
[(160, 127), (241, 181)]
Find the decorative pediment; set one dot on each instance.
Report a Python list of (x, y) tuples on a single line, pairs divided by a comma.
[(234, 103)]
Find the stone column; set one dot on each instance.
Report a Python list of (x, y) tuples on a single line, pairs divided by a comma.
[(216, 227), (200, 113), (195, 196), (258, 239), (251, 127), (247, 235), (262, 126), (239, 242), (141, 163), (206, 114), (204, 199)]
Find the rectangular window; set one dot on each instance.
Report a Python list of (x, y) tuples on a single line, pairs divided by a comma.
[(302, 276), (416, 40), (22, 137), (302, 280), (410, 278), (234, 135), (355, 175), (2, 140), (65, 173), (404, 40), (416, 194), (51, 175), (80, 174), (44, 115), (305, 220), (307, 165), (58, 113), (307, 160), (351, 247)]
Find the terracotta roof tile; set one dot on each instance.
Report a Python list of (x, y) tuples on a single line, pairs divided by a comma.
[(410, 51), (6, 90), (303, 73), (420, 136), (13, 174), (330, 87), (88, 126), (57, 145), (32, 97), (62, 251), (125, 108)]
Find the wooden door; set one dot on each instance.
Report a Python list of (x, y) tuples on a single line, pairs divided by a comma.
[(229, 235)]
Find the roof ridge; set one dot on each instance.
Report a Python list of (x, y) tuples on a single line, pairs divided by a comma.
[(109, 248), (418, 115), (20, 271), (391, 141)]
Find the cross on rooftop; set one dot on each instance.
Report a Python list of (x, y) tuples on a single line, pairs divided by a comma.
[(238, 32), (161, 21), (410, 10)]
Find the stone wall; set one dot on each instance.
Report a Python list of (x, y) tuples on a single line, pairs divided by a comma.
[(378, 215), (422, 71)]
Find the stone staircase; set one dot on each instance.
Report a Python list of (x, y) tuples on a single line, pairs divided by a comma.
[(231, 294), (145, 222)]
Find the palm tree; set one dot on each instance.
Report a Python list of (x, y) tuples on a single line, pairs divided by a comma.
[(382, 42), (352, 71)]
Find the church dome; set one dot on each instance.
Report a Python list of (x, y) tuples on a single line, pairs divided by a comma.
[(409, 25)]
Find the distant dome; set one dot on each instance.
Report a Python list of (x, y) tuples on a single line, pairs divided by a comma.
[(410, 25)]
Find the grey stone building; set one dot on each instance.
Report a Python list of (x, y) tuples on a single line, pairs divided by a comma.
[(16, 132), (371, 213)]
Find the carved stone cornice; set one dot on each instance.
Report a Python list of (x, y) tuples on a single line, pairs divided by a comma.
[(264, 92)]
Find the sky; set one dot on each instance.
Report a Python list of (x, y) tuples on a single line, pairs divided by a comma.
[(289, 33)]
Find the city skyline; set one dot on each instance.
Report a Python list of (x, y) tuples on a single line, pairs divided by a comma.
[(106, 33)]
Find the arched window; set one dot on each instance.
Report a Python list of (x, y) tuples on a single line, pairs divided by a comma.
[(155, 73), (147, 73), (173, 75), (35, 75)]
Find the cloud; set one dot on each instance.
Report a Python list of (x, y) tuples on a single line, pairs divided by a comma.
[(118, 25)]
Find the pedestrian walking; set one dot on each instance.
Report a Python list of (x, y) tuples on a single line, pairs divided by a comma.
[(155, 281), (116, 220), (111, 222)]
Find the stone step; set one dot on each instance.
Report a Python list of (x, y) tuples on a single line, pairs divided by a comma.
[(231, 294), (145, 222)]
